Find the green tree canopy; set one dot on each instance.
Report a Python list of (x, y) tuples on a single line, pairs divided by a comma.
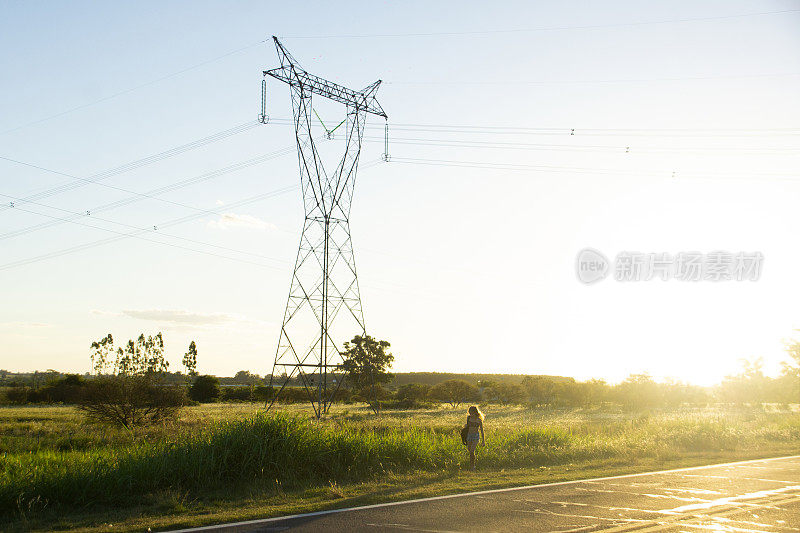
[(367, 362), (455, 392)]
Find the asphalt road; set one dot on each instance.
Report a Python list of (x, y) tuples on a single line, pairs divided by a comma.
[(749, 496)]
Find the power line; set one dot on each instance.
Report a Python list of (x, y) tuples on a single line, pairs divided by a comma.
[(130, 89), (574, 131), (138, 233), (157, 227), (127, 167), (594, 132), (585, 170), (153, 194), (545, 28), (457, 143), (131, 226), (622, 80)]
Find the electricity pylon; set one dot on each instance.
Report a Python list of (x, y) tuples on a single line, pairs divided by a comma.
[(324, 283)]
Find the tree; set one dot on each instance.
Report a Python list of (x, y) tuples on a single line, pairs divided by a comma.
[(638, 391), (749, 386), (205, 389), (366, 361), (455, 392), (791, 373), (504, 393), (540, 389), (133, 395), (415, 392), (144, 356), (246, 378), (100, 352), (190, 360), (130, 401)]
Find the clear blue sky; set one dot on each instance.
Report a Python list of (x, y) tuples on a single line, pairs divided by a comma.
[(462, 268)]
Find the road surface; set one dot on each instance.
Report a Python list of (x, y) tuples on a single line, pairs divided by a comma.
[(743, 497)]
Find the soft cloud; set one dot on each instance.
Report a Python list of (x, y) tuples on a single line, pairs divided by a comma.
[(99, 312), (181, 317), (18, 325), (233, 220)]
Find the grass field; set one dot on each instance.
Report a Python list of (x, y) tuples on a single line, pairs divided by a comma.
[(231, 461)]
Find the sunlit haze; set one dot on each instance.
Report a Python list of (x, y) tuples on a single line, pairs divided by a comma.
[(518, 136)]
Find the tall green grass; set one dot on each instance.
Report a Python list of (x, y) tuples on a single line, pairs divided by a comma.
[(289, 450), (293, 451)]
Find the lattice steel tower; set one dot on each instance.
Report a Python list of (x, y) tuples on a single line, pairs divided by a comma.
[(324, 306)]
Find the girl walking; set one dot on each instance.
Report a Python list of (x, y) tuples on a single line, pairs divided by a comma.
[(474, 433)]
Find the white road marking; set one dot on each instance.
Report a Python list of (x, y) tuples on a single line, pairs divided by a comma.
[(406, 527), (484, 492), (741, 498), (667, 496), (694, 491), (569, 515), (604, 507)]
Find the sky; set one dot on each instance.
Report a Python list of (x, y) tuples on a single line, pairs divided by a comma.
[(520, 134)]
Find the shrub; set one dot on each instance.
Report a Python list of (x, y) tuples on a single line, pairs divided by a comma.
[(504, 393), (455, 392), (65, 390), (415, 392), (237, 394), (407, 403), (205, 389), (130, 401), (262, 393), (17, 395), (300, 395)]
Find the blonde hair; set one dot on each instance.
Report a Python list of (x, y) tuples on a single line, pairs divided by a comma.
[(474, 411)]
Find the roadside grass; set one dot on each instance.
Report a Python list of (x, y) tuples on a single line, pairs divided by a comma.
[(58, 472)]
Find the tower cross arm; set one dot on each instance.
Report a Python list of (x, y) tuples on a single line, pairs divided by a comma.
[(292, 73), (361, 100)]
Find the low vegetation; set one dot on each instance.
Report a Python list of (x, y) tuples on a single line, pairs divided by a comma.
[(54, 465)]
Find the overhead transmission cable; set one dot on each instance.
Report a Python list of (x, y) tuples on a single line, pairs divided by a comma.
[(600, 81), (154, 229), (97, 178), (588, 170), (459, 143), (576, 131), (153, 194), (134, 88), (139, 232), (547, 28)]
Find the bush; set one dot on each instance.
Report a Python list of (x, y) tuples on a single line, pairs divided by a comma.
[(17, 395), (237, 394), (262, 393), (300, 395), (65, 390), (414, 392), (407, 403), (504, 393), (130, 401), (455, 392), (205, 389)]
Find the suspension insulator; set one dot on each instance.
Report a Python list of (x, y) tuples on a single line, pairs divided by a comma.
[(263, 118), (386, 142)]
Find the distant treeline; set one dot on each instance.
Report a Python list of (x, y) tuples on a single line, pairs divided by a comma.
[(434, 378), (244, 377), (421, 389)]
